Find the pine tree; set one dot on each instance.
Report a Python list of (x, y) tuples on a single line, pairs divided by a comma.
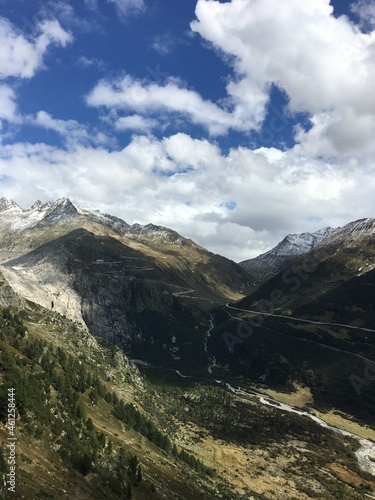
[(121, 458), (3, 465), (89, 424), (133, 465), (94, 396), (109, 448), (139, 474)]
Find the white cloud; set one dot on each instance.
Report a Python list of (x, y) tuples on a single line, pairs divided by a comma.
[(239, 204), (339, 133), (64, 12), (325, 65), (172, 97), (20, 57), (136, 123), (126, 8), (365, 9), (69, 129), (51, 32), (87, 62), (8, 106)]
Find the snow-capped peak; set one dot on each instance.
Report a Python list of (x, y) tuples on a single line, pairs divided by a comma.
[(298, 244), (37, 205), (156, 233), (9, 205), (356, 231), (59, 210), (112, 221), (15, 218), (289, 249)]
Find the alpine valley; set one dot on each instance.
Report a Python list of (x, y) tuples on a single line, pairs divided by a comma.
[(144, 366)]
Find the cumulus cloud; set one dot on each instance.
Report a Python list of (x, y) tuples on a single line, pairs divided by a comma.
[(237, 204), (69, 129), (136, 123), (20, 57), (172, 97), (324, 64)]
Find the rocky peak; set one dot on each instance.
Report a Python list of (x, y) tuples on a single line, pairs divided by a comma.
[(298, 244), (64, 202), (6, 204), (38, 205), (60, 210)]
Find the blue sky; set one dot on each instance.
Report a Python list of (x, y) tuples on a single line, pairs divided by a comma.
[(232, 122)]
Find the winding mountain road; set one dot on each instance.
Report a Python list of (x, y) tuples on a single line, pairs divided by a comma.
[(314, 322)]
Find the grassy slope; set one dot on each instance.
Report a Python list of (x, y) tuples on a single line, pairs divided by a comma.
[(42, 472)]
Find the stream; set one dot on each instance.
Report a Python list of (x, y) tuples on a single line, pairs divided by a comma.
[(208, 334)]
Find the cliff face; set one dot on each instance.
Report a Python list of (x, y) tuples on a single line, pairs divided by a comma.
[(8, 297)]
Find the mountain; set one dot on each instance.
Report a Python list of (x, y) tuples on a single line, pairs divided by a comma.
[(9, 206), (146, 288), (312, 323), (137, 375), (289, 249), (22, 230), (346, 254)]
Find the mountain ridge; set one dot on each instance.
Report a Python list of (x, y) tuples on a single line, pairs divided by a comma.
[(65, 216)]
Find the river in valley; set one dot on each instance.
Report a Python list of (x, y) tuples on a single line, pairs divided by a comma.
[(365, 454)]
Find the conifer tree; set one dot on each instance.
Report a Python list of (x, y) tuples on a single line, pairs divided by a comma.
[(139, 474)]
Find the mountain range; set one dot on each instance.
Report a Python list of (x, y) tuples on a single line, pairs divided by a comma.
[(156, 321)]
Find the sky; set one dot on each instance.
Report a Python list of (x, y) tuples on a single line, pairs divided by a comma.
[(232, 122)]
